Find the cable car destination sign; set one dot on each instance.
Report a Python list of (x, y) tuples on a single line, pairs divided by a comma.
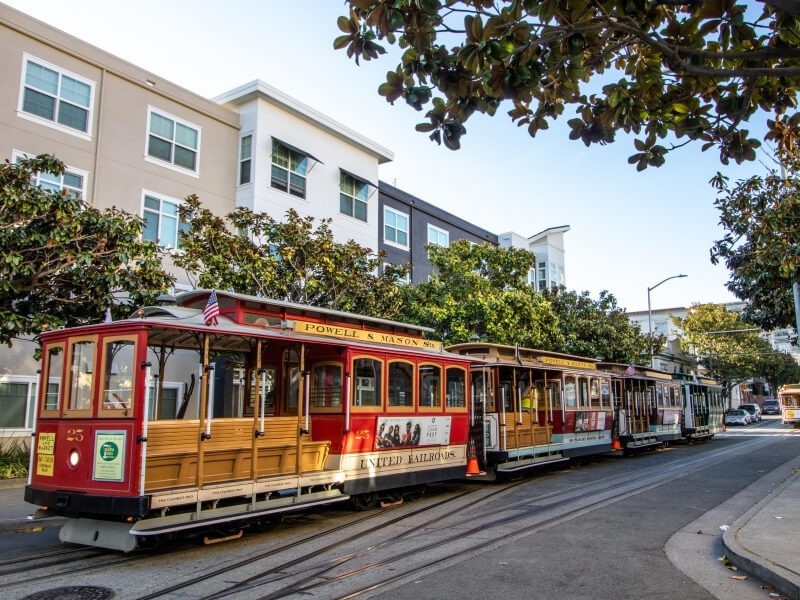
[(362, 335)]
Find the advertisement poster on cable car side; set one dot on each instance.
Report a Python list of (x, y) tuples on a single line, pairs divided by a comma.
[(399, 432)]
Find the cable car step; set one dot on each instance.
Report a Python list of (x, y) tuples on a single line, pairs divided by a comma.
[(527, 463)]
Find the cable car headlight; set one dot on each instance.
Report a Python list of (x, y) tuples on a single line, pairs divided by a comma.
[(74, 457)]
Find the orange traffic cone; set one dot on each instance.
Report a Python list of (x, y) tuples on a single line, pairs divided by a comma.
[(472, 461), (616, 445), (472, 466)]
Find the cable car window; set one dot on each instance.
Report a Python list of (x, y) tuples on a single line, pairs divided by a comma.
[(53, 369), (367, 377), (594, 392), (605, 393), (570, 391), (119, 362), (430, 386), (456, 388), (401, 384), (482, 391), (81, 375), (326, 386)]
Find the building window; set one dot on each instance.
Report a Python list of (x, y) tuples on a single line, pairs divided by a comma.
[(353, 196), (542, 281), (17, 402), (289, 169), (56, 96), (245, 159), (173, 141), (72, 181), (395, 227), (437, 236), (162, 223)]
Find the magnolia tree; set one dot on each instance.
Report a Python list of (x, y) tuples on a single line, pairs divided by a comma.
[(761, 245), (667, 71), (728, 347), (296, 260), (63, 262)]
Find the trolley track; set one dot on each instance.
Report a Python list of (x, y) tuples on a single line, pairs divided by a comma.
[(314, 537), (382, 547), (515, 520), (30, 570)]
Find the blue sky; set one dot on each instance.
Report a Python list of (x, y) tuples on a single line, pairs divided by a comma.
[(629, 230)]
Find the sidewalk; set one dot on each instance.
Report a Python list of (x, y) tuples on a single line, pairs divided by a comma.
[(764, 542), (14, 511)]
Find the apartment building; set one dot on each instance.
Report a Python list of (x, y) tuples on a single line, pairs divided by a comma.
[(547, 246), (128, 138), (407, 224), (293, 157)]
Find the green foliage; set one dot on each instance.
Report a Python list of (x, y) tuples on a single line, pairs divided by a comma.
[(761, 246), (63, 262), (480, 290), (694, 71), (781, 369), (598, 328), (14, 460), (727, 346), (252, 253)]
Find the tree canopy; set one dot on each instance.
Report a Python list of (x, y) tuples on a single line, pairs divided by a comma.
[(479, 291), (63, 262), (598, 328), (727, 346), (761, 245), (667, 71), (295, 260)]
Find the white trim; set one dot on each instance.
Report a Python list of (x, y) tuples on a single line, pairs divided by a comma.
[(161, 198), (407, 231), (438, 230), (168, 164), (30, 400), (15, 154), (54, 124), (252, 136)]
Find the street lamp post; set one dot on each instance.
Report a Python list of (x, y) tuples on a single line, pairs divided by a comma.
[(650, 314)]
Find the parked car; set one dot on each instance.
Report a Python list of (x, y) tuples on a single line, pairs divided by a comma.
[(772, 407), (737, 416), (754, 410)]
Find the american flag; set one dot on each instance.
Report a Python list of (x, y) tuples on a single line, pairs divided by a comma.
[(629, 371), (211, 311)]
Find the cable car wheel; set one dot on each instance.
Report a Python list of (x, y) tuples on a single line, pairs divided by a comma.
[(364, 501)]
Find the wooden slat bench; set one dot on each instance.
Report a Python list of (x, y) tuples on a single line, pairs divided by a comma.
[(227, 456)]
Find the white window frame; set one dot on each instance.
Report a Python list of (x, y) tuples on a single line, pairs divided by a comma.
[(53, 123), (17, 155), (243, 159), (290, 172), (167, 385), (161, 198), (396, 213), (170, 164), (30, 400), (438, 232), (355, 199)]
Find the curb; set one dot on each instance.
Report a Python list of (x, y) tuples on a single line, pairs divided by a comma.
[(18, 482), (29, 526), (783, 580)]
